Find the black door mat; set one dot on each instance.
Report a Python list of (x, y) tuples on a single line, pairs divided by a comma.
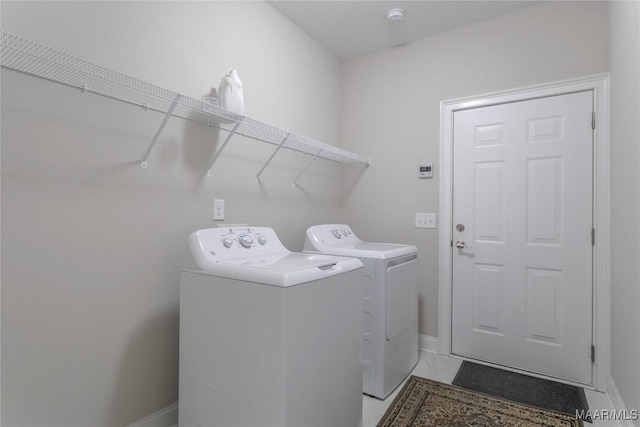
[(524, 389)]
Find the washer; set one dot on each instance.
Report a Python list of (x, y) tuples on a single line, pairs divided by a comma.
[(390, 333), (268, 337)]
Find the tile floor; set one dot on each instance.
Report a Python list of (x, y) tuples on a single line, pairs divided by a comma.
[(444, 369)]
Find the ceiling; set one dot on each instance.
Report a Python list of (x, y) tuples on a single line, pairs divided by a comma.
[(354, 28)]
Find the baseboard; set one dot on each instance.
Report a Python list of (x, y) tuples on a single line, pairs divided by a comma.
[(617, 403), (166, 417), (427, 343)]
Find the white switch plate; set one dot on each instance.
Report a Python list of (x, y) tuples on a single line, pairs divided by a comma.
[(425, 220), (218, 209)]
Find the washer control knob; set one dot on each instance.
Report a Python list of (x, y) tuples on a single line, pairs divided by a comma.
[(246, 241), (227, 242), (336, 234), (262, 240)]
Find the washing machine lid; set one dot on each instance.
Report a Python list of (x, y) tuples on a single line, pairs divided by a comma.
[(285, 269), (340, 240), (227, 253)]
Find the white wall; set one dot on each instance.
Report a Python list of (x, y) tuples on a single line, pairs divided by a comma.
[(391, 104), (91, 242), (624, 61)]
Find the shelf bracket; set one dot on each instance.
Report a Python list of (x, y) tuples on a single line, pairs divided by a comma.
[(272, 156), (219, 151), (159, 131), (295, 181)]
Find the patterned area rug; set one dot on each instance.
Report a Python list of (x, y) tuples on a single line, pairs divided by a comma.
[(426, 403)]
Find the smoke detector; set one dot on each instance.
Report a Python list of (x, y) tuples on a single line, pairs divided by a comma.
[(396, 14)]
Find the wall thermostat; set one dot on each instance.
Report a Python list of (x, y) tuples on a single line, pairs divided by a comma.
[(425, 170)]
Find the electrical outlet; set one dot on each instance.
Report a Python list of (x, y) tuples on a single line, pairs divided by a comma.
[(425, 220), (218, 209)]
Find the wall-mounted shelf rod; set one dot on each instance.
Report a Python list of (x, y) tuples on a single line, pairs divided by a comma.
[(174, 104), (295, 181), (219, 151), (272, 156)]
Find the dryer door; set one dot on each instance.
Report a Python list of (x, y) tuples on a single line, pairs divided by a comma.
[(402, 295)]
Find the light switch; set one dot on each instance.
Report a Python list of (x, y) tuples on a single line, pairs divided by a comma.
[(425, 220), (218, 209)]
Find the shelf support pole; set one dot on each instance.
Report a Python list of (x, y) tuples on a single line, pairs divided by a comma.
[(295, 181), (159, 131), (219, 151), (272, 156)]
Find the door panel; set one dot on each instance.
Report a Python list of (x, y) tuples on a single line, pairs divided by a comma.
[(522, 266)]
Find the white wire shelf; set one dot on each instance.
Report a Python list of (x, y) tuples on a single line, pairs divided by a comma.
[(36, 60)]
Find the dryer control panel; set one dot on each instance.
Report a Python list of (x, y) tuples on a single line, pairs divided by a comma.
[(333, 234), (339, 233)]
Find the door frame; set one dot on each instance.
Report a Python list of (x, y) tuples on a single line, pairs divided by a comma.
[(599, 84)]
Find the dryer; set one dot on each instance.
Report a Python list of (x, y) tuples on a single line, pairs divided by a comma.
[(390, 303), (267, 337)]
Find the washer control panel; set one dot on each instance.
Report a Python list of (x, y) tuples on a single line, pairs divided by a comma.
[(220, 244), (245, 237)]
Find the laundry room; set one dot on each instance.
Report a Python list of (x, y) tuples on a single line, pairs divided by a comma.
[(101, 188)]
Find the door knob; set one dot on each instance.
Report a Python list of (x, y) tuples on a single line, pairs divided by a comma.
[(460, 244)]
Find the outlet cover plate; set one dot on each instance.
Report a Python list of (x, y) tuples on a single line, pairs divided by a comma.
[(425, 220)]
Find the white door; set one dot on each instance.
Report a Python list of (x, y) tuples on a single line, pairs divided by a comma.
[(522, 205)]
